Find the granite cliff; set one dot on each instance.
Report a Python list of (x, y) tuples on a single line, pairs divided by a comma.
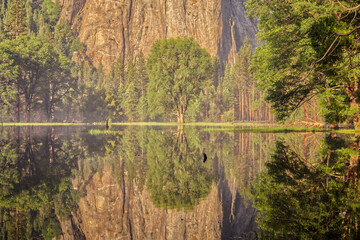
[(109, 210), (114, 28)]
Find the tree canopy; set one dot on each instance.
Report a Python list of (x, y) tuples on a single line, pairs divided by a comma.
[(177, 69), (308, 48)]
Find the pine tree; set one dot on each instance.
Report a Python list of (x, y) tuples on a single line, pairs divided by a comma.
[(2, 9), (2, 34), (30, 16), (15, 24), (142, 81), (131, 95)]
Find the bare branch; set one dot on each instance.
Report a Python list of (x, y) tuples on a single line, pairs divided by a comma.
[(348, 9), (338, 35)]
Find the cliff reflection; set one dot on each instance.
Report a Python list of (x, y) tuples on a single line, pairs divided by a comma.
[(131, 182), (299, 198)]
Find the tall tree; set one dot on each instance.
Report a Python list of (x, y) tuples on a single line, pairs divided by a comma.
[(8, 80), (131, 95), (177, 69), (142, 82), (15, 24), (58, 83), (309, 47), (243, 80), (115, 88)]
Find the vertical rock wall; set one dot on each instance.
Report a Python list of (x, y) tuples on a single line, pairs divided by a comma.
[(113, 28)]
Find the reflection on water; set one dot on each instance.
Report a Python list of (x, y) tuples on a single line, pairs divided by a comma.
[(151, 183), (318, 199)]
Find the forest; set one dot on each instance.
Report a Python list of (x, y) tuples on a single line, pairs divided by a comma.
[(46, 76), (304, 68)]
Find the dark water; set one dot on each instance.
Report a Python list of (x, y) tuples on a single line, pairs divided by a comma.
[(153, 183)]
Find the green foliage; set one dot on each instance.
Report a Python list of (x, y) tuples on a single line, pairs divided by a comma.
[(15, 24), (64, 38), (51, 11), (131, 95), (308, 48), (177, 70), (227, 116)]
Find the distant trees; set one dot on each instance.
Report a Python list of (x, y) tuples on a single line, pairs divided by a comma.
[(242, 100), (46, 76), (178, 69), (15, 23), (126, 90)]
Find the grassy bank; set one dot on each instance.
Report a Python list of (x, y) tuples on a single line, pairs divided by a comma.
[(205, 126), (208, 124), (43, 124)]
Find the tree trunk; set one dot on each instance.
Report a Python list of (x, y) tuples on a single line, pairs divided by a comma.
[(180, 117), (356, 117), (17, 107), (306, 114), (351, 90), (242, 107), (356, 122), (236, 105), (27, 116)]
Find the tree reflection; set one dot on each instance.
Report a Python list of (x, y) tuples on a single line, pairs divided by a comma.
[(34, 172), (177, 177), (302, 199)]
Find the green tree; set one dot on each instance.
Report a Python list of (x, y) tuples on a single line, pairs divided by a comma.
[(32, 65), (63, 38), (142, 82), (8, 81), (131, 95), (58, 84), (177, 70), (308, 48), (243, 82), (114, 89), (15, 24)]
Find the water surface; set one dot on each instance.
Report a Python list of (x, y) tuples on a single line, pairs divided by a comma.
[(153, 183)]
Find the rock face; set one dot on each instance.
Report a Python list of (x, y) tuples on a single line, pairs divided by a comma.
[(114, 28), (113, 210), (110, 211)]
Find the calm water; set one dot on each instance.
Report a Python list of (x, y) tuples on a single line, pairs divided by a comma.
[(153, 183)]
